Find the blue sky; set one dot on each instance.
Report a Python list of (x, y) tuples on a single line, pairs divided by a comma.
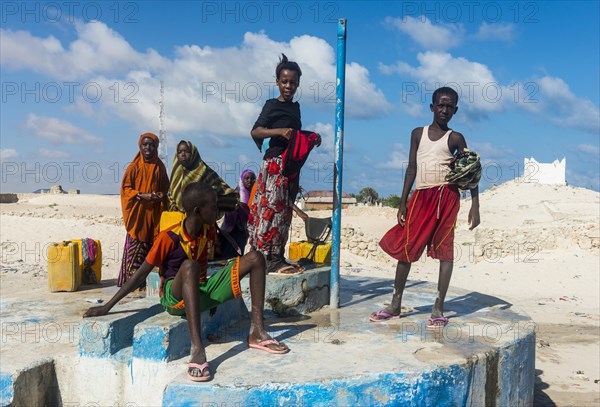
[(81, 82)]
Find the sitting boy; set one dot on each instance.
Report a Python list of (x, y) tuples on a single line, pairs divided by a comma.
[(181, 253)]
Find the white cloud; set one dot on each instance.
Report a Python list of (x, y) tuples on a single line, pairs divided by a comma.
[(217, 91), (97, 49), (479, 91), (554, 101), (587, 179), (8, 154), (398, 158), (319, 166), (327, 133), (428, 35), (481, 94), (58, 131), (44, 152), (499, 32), (493, 153), (589, 149)]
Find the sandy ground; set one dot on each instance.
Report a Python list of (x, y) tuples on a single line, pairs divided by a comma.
[(537, 247)]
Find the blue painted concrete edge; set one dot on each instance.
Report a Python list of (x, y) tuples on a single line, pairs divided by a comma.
[(164, 337), (105, 336), (6, 389), (448, 386)]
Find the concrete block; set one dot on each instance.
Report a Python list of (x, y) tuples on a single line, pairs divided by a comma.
[(296, 294), (164, 337), (105, 336), (34, 385)]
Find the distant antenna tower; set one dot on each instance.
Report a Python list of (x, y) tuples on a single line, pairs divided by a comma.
[(163, 153)]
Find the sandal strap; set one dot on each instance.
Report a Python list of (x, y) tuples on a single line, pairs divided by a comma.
[(268, 342)]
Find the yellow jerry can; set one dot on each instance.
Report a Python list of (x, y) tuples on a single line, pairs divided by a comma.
[(295, 251), (63, 267), (322, 253)]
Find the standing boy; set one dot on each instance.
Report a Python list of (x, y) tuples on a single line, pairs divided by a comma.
[(430, 216), (181, 253)]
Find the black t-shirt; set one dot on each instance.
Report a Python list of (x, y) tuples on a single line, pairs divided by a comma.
[(275, 115)]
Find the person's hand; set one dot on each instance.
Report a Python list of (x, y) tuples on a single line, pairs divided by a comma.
[(173, 207), (156, 196), (402, 214), (96, 311), (287, 133), (473, 217)]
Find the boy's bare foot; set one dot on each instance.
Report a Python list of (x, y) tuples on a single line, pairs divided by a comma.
[(198, 366), (198, 373), (263, 341), (382, 315), (385, 314), (437, 323)]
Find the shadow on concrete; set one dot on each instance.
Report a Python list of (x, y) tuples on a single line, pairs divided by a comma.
[(468, 304), (354, 290), (541, 399), (103, 284), (284, 332)]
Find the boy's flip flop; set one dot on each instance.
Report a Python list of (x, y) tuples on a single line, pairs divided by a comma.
[(437, 323), (380, 316), (290, 269), (202, 368), (264, 345)]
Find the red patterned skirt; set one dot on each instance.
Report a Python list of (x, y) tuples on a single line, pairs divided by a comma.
[(271, 211)]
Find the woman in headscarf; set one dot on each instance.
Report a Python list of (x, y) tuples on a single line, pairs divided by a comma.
[(143, 197), (188, 167), (235, 223)]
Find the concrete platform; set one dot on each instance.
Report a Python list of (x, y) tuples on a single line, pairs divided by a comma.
[(485, 356)]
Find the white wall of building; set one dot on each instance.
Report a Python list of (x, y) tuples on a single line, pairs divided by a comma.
[(543, 173)]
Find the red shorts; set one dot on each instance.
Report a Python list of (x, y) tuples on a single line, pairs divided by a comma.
[(430, 220)]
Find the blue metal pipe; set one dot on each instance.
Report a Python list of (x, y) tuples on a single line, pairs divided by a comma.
[(334, 296)]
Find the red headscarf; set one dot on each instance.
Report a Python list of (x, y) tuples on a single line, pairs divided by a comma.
[(142, 217)]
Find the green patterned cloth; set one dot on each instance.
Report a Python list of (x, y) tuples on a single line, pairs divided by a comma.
[(466, 170)]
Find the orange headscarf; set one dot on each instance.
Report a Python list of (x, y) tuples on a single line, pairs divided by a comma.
[(142, 217)]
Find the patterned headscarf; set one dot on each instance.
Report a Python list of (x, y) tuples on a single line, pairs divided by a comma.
[(197, 170)]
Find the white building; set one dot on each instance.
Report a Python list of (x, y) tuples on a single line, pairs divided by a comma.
[(542, 173)]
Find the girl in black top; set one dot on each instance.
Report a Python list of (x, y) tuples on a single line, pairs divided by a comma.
[(271, 211)]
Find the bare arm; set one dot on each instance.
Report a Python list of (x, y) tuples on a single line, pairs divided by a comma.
[(134, 282), (410, 174), (263, 132), (474, 212), (300, 212)]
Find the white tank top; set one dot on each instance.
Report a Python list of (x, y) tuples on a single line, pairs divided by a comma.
[(433, 160)]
